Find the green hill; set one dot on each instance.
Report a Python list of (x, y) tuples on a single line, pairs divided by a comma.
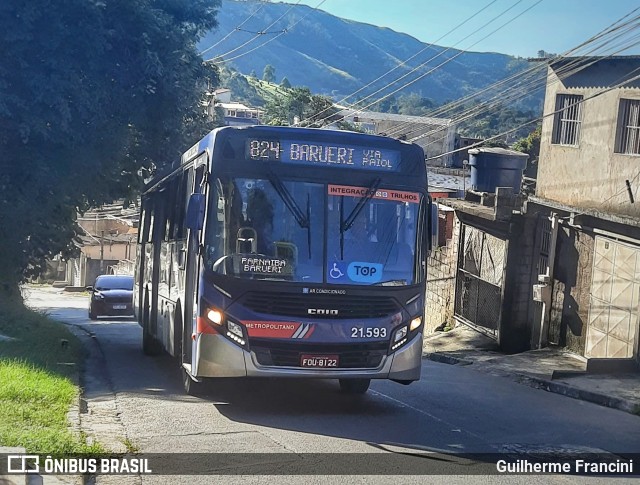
[(336, 57)]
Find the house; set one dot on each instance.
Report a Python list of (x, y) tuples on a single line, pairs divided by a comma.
[(562, 267), (107, 245), (235, 114), (587, 186)]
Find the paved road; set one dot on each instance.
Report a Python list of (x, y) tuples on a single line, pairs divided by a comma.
[(452, 410)]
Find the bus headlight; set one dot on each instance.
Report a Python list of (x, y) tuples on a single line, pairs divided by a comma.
[(400, 337), (405, 333), (415, 323), (235, 333), (215, 316), (235, 329), (219, 322)]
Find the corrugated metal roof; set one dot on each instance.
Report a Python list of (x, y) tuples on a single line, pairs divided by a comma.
[(376, 116)]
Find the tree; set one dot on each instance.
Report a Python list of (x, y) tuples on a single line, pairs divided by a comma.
[(531, 146), (269, 74), (285, 83), (318, 109), (90, 93)]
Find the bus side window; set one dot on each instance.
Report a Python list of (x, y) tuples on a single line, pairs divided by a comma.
[(172, 209), (143, 232), (159, 223)]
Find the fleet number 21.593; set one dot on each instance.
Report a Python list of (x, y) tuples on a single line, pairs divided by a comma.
[(371, 332)]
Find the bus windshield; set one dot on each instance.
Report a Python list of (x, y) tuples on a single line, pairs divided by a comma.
[(274, 229)]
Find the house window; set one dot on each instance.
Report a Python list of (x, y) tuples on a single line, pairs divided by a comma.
[(628, 129), (567, 119)]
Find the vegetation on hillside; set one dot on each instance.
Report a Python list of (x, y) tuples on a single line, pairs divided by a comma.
[(283, 105), (336, 58)]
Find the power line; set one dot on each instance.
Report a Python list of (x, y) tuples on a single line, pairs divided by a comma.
[(562, 72), (263, 30), (234, 30), (274, 38), (536, 120), (403, 63), (530, 81), (356, 110)]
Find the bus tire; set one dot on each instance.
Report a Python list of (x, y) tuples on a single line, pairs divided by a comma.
[(191, 387), (150, 346), (178, 338), (354, 386)]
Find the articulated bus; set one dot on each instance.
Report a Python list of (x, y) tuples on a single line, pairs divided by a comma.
[(287, 252)]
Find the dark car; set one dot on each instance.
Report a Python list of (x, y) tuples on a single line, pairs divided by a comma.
[(112, 295)]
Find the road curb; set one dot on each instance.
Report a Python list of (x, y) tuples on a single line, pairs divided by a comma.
[(13, 479), (581, 394), (545, 384), (446, 359)]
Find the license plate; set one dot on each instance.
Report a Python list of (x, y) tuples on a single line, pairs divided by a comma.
[(318, 360), (119, 307)]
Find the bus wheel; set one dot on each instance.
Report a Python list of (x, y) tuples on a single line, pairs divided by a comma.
[(354, 386), (150, 346), (191, 387), (177, 335)]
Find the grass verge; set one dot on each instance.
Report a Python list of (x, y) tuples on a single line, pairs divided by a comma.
[(39, 371)]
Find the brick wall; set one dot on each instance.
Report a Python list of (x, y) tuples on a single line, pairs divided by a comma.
[(519, 306), (441, 271)]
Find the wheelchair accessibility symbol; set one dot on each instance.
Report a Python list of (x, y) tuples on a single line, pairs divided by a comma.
[(335, 272)]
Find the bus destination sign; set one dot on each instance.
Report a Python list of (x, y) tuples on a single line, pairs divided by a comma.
[(323, 154)]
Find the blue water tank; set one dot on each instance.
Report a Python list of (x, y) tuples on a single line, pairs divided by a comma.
[(496, 167)]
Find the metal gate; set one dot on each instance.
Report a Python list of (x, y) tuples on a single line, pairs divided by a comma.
[(614, 306), (479, 280)]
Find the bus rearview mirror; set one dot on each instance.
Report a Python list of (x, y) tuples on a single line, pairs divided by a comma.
[(195, 212)]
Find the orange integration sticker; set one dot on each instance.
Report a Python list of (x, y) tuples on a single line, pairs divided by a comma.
[(385, 194)]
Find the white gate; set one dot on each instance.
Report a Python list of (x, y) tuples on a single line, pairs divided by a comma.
[(614, 306)]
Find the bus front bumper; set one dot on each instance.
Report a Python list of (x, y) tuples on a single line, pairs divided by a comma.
[(217, 356)]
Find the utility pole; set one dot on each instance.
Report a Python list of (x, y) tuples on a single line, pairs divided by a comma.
[(101, 252)]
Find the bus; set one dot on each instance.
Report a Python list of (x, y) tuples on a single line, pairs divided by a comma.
[(287, 252)]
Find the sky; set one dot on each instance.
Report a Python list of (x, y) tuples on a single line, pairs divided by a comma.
[(554, 26)]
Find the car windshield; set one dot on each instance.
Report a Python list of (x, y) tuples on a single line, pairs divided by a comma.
[(114, 283)]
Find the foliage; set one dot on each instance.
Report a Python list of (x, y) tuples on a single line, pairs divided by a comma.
[(494, 144), (297, 106), (336, 58), (531, 146), (477, 121), (90, 92), (241, 89), (347, 126)]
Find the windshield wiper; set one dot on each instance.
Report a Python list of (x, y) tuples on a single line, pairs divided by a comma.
[(304, 221), (345, 224)]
